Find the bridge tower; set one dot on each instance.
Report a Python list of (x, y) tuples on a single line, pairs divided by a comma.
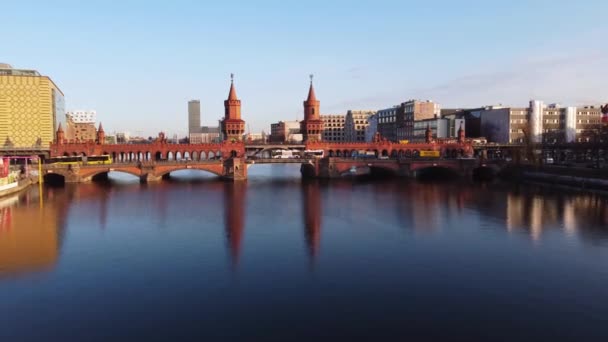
[(101, 135), (312, 125), (461, 134), (59, 135), (428, 135), (233, 127)]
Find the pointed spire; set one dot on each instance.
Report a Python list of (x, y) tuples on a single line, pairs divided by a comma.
[(60, 129), (311, 91), (232, 94), (100, 129)]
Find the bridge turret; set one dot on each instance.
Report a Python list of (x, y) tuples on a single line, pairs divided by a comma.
[(233, 126), (59, 135), (312, 125), (428, 135), (461, 134), (101, 135)]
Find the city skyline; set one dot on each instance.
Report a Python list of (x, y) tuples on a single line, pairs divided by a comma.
[(140, 65)]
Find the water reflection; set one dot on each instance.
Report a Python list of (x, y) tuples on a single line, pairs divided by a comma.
[(234, 218), (31, 235), (312, 205)]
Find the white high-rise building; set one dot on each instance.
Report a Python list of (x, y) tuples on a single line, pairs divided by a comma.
[(82, 116), (536, 120)]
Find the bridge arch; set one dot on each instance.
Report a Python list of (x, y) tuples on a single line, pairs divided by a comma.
[(485, 172), (178, 156), (54, 178), (436, 172), (202, 156), (127, 170), (185, 167), (211, 155)]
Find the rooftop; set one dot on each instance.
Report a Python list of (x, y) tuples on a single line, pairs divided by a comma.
[(7, 70)]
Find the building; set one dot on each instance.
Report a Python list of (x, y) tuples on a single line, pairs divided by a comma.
[(312, 125), (194, 116), (255, 138), (31, 108), (411, 111), (540, 123), (207, 135), (79, 131), (387, 126), (333, 127), (233, 127), (372, 128), (504, 125), (439, 129), (284, 131), (82, 116), (588, 122), (470, 116), (122, 137), (356, 123)]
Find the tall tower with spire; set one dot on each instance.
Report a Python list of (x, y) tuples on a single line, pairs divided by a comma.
[(233, 127), (101, 135), (312, 125), (59, 135)]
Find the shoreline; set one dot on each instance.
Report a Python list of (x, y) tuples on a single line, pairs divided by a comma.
[(21, 185)]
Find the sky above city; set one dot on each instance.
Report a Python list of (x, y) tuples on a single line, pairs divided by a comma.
[(138, 63)]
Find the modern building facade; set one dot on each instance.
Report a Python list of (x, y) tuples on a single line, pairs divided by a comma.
[(285, 131), (79, 131), (194, 116), (439, 129), (333, 127), (540, 123), (206, 135), (355, 124), (82, 116), (412, 111), (387, 123), (372, 128), (31, 108)]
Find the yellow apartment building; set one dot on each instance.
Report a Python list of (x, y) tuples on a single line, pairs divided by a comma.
[(31, 108)]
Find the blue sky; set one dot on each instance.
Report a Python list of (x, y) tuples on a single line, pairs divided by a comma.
[(138, 62)]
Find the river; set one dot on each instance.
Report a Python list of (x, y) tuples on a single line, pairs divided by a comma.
[(276, 258)]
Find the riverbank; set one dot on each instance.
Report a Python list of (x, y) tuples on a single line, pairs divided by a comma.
[(578, 178), (16, 187)]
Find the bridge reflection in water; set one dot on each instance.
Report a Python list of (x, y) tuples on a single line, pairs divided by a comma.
[(31, 236)]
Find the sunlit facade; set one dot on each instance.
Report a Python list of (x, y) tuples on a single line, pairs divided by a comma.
[(31, 108)]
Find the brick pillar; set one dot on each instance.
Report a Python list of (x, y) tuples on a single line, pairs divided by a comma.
[(235, 169)]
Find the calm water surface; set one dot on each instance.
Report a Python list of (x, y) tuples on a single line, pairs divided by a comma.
[(276, 258)]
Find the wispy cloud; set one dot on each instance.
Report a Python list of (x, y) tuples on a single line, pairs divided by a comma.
[(570, 79)]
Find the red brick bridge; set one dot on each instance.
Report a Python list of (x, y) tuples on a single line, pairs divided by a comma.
[(153, 161)]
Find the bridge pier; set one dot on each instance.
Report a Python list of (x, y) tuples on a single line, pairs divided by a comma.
[(148, 177), (235, 169)]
